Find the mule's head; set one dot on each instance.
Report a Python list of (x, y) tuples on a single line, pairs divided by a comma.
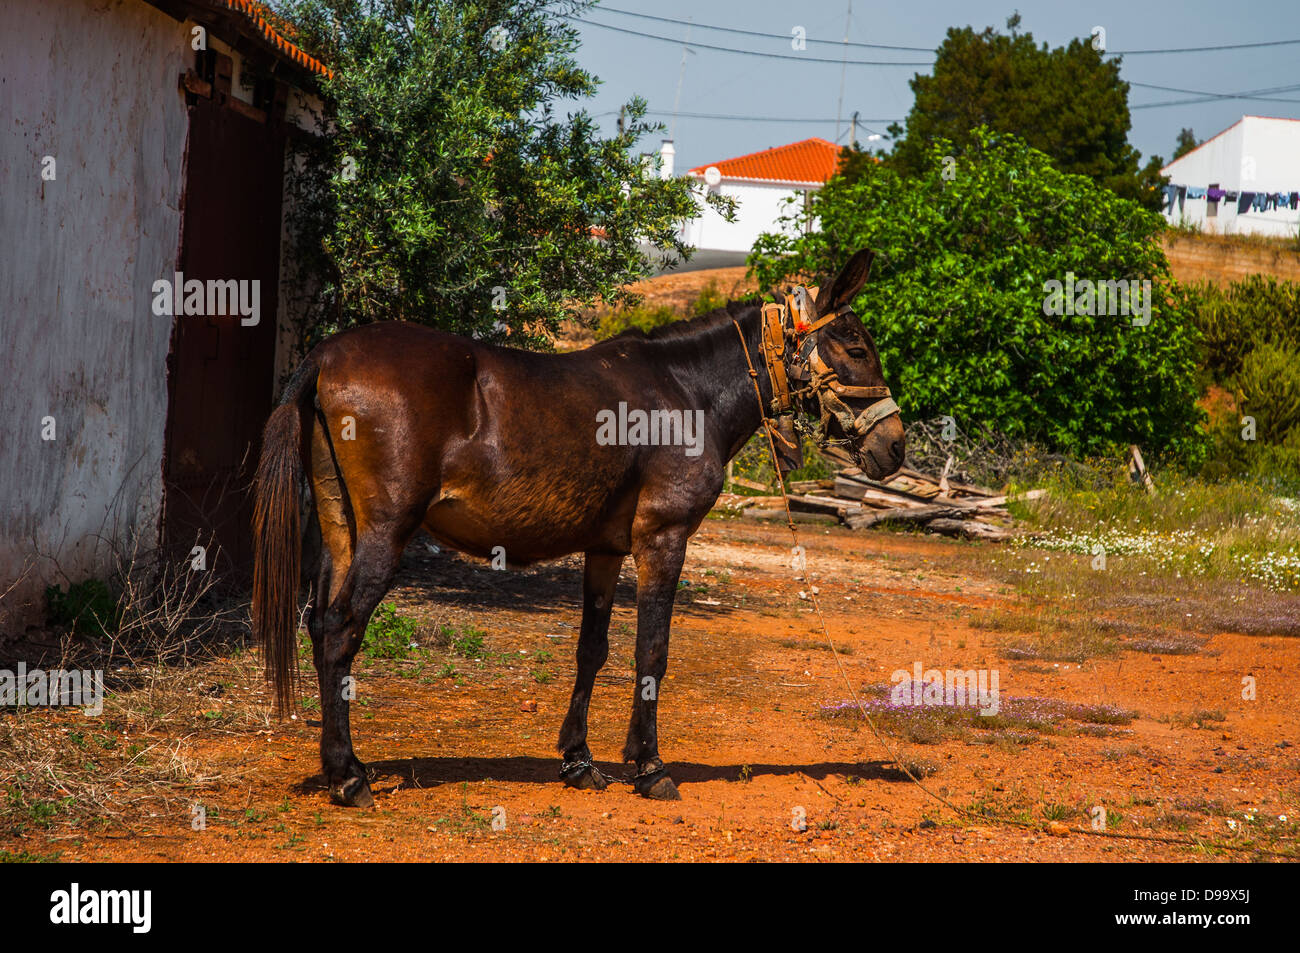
[(852, 399)]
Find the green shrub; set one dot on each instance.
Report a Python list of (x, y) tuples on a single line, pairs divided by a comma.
[(709, 299), (87, 608), (1236, 320), (641, 317), (1269, 385), (957, 293)]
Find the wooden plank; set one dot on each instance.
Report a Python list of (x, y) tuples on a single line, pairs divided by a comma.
[(915, 514), (952, 484), (811, 486), (778, 513), (969, 529), (751, 484), (1137, 469)]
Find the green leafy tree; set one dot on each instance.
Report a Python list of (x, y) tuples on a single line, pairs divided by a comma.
[(452, 187), (1068, 102), (957, 298), (1185, 144)]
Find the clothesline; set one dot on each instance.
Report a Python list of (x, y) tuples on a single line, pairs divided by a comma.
[(1252, 201)]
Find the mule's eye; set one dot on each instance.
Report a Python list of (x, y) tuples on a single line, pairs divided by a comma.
[(858, 352)]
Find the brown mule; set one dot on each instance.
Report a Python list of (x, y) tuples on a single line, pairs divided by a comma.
[(614, 450)]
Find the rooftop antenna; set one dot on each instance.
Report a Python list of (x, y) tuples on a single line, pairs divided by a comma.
[(681, 74), (844, 66)]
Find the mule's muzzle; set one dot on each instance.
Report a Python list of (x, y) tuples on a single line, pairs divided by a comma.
[(880, 447)]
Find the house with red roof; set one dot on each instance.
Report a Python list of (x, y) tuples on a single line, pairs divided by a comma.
[(767, 186), (149, 301)]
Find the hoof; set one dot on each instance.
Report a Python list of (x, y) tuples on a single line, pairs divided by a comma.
[(585, 777), (352, 792), (658, 787)]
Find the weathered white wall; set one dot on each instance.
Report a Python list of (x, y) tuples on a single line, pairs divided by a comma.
[(94, 84), (759, 209), (1257, 154)]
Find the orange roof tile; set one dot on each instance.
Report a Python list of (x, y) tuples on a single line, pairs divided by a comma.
[(272, 28), (810, 160)]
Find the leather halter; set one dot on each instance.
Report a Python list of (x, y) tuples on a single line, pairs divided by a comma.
[(787, 321)]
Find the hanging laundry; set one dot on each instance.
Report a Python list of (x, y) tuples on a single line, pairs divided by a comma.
[(1182, 194), (1213, 195), (1230, 196), (1246, 201), (1195, 193)]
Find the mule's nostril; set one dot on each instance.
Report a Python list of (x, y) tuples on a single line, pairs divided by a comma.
[(898, 449)]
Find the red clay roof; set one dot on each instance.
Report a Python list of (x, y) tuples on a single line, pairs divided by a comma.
[(810, 160), (273, 29)]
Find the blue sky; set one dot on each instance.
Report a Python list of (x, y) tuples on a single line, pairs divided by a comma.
[(720, 83)]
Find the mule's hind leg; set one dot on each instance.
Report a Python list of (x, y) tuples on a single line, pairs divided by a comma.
[(600, 576), (344, 626)]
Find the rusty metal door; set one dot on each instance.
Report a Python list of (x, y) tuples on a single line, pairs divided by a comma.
[(220, 371)]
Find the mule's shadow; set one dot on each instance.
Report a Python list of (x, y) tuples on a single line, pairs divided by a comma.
[(445, 576), (432, 772)]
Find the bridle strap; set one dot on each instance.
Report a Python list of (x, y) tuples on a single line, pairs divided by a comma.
[(774, 357)]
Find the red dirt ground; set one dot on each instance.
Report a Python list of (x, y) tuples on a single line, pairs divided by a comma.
[(739, 727)]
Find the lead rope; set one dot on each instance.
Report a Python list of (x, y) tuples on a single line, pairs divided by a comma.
[(892, 752)]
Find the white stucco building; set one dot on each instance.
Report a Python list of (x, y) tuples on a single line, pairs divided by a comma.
[(1245, 179), (138, 140), (762, 183)]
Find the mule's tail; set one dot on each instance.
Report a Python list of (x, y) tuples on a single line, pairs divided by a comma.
[(277, 534)]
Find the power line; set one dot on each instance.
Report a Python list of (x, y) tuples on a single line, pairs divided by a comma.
[(730, 49), (1202, 96), (724, 116), (767, 36), (926, 49), (1202, 49)]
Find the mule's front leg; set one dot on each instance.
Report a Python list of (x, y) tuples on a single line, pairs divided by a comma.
[(658, 565), (599, 579)]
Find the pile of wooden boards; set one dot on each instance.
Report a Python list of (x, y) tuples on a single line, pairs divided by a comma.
[(909, 497)]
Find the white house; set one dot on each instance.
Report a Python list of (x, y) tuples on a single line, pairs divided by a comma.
[(1245, 179), (140, 141), (762, 183)]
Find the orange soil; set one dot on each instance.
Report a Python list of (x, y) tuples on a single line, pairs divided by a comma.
[(739, 728)]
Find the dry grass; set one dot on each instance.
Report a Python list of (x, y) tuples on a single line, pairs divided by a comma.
[(164, 683)]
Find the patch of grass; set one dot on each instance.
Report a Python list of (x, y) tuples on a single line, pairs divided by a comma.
[(1055, 636), (1200, 717), (1175, 644), (467, 642), (1232, 530), (28, 857), (808, 646), (1017, 720), (389, 635)]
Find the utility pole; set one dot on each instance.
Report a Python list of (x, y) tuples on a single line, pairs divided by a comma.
[(844, 66), (681, 74), (854, 137)]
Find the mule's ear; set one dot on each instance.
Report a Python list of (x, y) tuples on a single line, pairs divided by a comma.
[(847, 285)]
